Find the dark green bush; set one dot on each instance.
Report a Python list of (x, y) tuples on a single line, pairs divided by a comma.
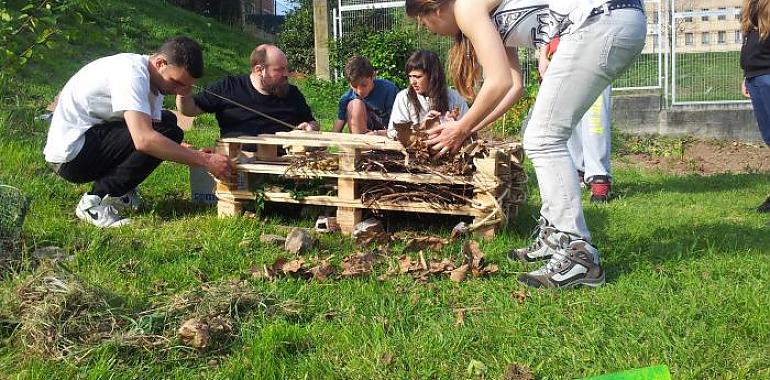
[(296, 38)]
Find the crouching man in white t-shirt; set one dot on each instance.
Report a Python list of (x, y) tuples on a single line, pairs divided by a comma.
[(108, 127)]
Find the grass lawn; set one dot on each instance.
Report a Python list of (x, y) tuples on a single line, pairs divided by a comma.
[(687, 260)]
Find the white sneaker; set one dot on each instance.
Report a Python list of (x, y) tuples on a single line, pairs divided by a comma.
[(128, 201), (91, 210)]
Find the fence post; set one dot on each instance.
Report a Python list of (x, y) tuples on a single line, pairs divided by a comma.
[(321, 32)]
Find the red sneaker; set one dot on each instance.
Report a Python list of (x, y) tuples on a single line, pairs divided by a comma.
[(600, 188)]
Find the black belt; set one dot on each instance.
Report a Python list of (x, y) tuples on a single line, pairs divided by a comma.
[(617, 4)]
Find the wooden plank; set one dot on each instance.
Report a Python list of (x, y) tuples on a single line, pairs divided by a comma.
[(348, 217), (325, 200), (335, 136), (283, 169), (306, 140), (267, 152)]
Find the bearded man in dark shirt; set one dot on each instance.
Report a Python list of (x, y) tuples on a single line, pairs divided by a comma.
[(265, 89)]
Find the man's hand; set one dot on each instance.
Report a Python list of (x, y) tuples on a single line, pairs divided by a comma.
[(309, 126), (221, 167)]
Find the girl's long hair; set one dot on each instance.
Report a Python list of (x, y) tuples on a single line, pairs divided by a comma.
[(464, 68), (429, 63), (755, 15)]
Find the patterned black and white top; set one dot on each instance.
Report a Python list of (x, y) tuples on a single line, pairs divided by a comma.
[(532, 23)]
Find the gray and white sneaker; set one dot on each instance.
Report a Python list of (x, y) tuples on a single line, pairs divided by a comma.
[(576, 262), (91, 210), (128, 201), (542, 248)]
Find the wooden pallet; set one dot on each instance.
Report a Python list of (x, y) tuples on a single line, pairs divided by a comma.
[(492, 204)]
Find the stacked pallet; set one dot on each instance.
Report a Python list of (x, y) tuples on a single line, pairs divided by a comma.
[(497, 186)]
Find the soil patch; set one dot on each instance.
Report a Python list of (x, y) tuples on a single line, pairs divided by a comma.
[(702, 157)]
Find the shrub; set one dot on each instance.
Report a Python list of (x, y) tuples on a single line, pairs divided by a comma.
[(296, 38)]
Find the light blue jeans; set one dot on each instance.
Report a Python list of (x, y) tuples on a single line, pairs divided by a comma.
[(590, 143), (584, 65)]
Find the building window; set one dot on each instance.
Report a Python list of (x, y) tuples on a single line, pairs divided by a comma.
[(723, 16), (688, 39), (738, 37), (737, 13), (688, 18), (722, 37), (704, 17), (705, 37), (655, 17)]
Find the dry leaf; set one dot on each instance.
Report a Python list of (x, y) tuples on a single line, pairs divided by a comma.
[(518, 372), (425, 243), (292, 267), (520, 296), (443, 266), (194, 333), (358, 264), (372, 237), (322, 271), (460, 317), (386, 359), (473, 254), (458, 275)]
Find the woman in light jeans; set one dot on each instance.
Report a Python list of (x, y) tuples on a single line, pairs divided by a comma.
[(599, 40)]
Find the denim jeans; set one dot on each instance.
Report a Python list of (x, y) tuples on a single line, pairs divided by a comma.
[(759, 89), (586, 62), (590, 143)]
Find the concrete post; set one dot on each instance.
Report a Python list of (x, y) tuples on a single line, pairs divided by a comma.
[(321, 31)]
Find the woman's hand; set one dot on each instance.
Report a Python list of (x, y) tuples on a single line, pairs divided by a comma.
[(744, 90), (447, 137)]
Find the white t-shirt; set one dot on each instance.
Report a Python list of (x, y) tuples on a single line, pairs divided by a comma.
[(101, 91), (532, 23), (404, 112)]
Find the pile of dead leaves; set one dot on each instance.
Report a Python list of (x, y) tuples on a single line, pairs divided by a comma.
[(363, 263), (357, 264), (421, 269)]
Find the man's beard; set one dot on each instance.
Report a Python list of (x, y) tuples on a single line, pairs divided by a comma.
[(280, 89)]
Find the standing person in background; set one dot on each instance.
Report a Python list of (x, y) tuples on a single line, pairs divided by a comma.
[(428, 95), (755, 62), (599, 40), (366, 106), (591, 142)]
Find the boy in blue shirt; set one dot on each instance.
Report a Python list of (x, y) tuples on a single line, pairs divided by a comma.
[(366, 106)]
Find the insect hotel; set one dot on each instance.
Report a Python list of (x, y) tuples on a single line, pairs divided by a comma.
[(358, 174)]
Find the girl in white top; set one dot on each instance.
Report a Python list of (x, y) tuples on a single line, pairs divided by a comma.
[(428, 94), (599, 40)]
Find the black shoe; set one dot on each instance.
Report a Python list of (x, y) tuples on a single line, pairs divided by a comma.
[(764, 207)]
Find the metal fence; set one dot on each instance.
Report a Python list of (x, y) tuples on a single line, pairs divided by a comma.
[(691, 54)]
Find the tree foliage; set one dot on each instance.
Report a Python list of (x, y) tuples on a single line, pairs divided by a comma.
[(296, 37), (27, 26)]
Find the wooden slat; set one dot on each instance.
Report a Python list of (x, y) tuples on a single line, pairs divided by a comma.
[(318, 141), (282, 169), (325, 200)]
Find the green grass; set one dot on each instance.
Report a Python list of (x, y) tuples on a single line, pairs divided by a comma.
[(686, 260)]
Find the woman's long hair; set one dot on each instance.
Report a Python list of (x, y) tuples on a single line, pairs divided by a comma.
[(755, 15), (464, 68), (429, 63)]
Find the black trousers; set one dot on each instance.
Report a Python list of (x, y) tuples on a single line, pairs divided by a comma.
[(111, 161)]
